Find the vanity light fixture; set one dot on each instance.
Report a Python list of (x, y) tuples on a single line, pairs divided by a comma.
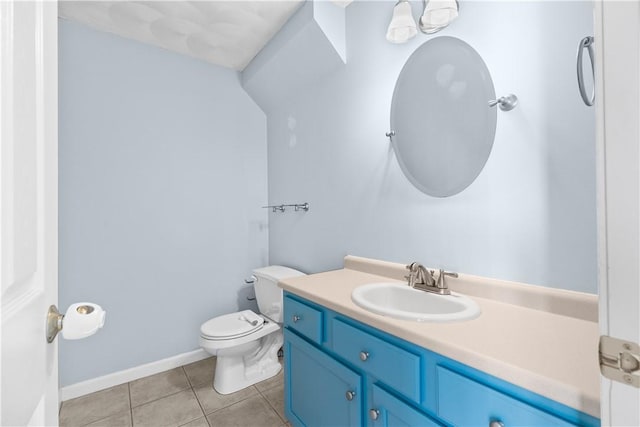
[(437, 15), (402, 26)]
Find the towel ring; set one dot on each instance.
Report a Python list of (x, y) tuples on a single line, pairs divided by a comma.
[(586, 43)]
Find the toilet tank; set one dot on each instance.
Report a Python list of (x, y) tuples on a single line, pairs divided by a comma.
[(268, 294)]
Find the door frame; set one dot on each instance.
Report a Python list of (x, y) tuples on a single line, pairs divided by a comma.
[(617, 42)]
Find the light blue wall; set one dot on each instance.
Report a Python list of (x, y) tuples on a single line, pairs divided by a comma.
[(531, 214), (162, 177)]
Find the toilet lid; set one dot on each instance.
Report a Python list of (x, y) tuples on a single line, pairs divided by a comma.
[(232, 325)]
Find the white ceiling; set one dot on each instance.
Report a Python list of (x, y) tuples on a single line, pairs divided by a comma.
[(226, 33)]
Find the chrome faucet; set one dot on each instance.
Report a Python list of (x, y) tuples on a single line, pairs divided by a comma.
[(421, 278)]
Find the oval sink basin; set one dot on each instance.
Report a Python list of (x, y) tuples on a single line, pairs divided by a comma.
[(398, 300)]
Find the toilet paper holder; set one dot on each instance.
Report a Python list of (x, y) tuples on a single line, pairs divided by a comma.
[(82, 320)]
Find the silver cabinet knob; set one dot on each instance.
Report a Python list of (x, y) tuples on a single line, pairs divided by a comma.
[(350, 395), (364, 356), (374, 414), (496, 423), (296, 318)]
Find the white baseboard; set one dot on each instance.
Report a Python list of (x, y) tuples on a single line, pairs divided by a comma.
[(100, 383)]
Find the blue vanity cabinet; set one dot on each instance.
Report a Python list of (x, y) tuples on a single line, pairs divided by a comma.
[(340, 372)]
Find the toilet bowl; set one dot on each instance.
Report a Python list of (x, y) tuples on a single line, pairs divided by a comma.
[(245, 343)]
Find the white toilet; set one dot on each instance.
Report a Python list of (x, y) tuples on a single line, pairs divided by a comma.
[(246, 344)]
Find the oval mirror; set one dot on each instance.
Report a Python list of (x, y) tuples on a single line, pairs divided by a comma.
[(444, 128)]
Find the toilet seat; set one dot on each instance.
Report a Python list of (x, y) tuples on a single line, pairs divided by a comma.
[(231, 326)]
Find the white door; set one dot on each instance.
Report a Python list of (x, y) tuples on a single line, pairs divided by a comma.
[(618, 118), (28, 211)]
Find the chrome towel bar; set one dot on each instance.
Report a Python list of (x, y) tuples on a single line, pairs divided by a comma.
[(281, 208)]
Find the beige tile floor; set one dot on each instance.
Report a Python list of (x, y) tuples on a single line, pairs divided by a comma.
[(179, 397)]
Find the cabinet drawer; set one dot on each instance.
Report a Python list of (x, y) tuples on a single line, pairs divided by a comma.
[(465, 402), (303, 319), (394, 366)]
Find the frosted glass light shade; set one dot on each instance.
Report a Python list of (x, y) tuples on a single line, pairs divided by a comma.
[(402, 26), (437, 15)]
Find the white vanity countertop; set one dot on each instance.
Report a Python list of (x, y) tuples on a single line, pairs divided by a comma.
[(554, 355)]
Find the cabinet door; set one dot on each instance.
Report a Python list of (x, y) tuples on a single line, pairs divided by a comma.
[(319, 391), (388, 411)]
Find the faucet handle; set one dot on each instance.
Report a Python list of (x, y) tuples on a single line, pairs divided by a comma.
[(412, 267), (440, 280)]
